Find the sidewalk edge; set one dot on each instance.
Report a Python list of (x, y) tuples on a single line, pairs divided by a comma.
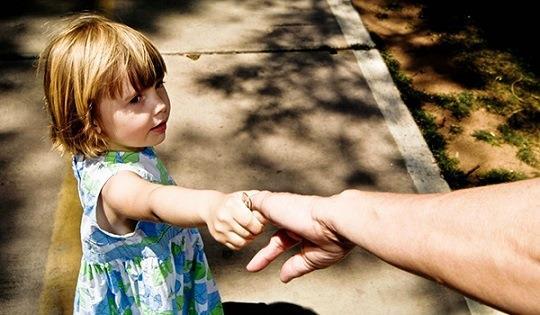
[(418, 158)]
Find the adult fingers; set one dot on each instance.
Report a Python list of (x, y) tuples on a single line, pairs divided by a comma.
[(295, 267), (279, 243)]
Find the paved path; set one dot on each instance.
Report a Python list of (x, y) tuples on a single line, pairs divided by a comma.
[(266, 95)]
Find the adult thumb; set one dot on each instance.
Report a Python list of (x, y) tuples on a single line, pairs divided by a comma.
[(257, 201)]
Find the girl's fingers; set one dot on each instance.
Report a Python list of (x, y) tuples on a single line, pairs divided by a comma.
[(254, 225), (235, 240), (249, 204), (253, 221), (231, 246), (262, 220), (241, 231), (279, 243)]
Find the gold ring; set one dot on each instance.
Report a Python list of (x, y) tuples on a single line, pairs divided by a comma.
[(246, 200)]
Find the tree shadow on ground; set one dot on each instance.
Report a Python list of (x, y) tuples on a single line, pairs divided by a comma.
[(274, 78), (10, 199), (284, 89)]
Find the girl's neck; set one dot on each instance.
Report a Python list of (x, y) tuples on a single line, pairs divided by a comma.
[(120, 148)]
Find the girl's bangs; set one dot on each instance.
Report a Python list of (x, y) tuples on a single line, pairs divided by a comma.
[(143, 69)]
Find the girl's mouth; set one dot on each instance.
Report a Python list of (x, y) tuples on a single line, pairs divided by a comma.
[(160, 128)]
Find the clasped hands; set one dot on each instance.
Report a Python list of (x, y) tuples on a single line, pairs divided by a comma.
[(303, 222)]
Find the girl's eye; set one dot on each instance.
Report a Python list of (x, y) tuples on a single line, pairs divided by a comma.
[(137, 99), (159, 84)]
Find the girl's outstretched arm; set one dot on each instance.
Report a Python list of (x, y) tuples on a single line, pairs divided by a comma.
[(126, 197)]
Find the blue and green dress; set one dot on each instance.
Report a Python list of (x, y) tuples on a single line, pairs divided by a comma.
[(156, 269)]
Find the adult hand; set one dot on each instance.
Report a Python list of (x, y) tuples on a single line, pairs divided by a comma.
[(304, 220)]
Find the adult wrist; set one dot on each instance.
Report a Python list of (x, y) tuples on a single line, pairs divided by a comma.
[(347, 214), (327, 211)]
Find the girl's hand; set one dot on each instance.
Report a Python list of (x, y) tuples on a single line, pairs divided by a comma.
[(231, 221)]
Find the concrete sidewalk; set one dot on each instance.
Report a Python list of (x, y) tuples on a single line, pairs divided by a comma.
[(265, 95)]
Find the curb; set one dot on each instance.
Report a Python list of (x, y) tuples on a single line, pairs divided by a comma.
[(419, 160)]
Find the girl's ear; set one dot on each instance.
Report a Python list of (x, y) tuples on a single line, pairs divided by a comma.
[(96, 125), (95, 122)]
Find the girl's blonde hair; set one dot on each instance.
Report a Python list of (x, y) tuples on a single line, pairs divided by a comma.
[(84, 62)]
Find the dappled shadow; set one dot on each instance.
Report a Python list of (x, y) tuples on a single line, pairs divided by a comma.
[(26, 182), (139, 14), (454, 303), (316, 101), (303, 102), (11, 199), (314, 98)]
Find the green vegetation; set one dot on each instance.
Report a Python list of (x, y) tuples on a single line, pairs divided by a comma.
[(522, 141), (455, 129), (496, 78), (498, 175), (460, 105), (486, 136)]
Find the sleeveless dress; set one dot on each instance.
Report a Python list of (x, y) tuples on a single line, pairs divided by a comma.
[(156, 269)]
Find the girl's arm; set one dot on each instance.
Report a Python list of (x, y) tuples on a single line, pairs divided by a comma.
[(126, 197)]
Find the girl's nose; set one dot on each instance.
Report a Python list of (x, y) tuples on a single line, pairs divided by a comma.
[(160, 106), (160, 102)]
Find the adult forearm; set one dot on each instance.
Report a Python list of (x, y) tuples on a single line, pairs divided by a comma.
[(483, 242)]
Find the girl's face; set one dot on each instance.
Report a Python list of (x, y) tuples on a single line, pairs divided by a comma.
[(136, 119)]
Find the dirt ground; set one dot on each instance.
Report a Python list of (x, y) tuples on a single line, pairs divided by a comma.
[(407, 38)]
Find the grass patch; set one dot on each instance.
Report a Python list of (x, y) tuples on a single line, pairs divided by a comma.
[(526, 154), (487, 136), (499, 79), (437, 144), (455, 129), (460, 105), (510, 136), (522, 142), (499, 175), (413, 98)]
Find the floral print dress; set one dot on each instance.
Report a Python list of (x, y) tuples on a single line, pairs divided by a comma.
[(156, 269)]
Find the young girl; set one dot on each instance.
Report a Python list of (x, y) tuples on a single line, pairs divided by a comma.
[(104, 91)]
